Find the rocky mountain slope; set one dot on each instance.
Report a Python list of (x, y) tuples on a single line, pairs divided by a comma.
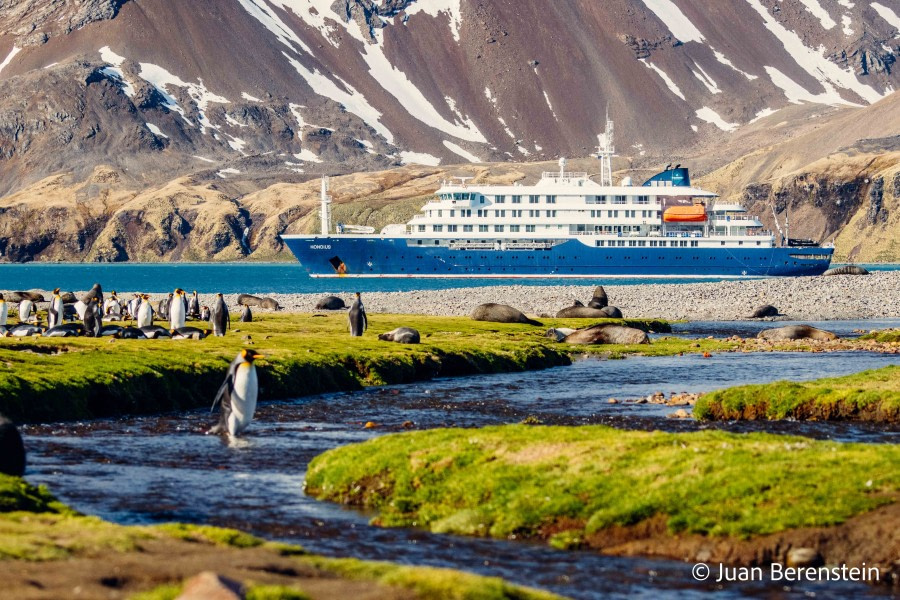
[(160, 130)]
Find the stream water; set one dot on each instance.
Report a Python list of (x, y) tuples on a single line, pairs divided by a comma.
[(152, 469)]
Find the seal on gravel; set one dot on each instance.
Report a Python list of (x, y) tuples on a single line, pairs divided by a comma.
[(12, 450), (269, 304), (847, 270), (766, 310), (580, 312), (500, 313), (607, 333), (330, 303), (599, 300), (796, 332), (401, 335), (248, 300), (19, 296)]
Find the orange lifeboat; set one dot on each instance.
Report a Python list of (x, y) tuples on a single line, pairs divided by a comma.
[(685, 214)]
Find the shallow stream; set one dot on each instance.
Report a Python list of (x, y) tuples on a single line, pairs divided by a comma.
[(152, 469)]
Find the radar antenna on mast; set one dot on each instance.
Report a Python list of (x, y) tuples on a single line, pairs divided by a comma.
[(605, 151)]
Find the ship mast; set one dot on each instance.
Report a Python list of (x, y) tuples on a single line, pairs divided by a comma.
[(325, 212), (605, 152)]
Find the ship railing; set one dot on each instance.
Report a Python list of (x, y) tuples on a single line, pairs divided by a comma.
[(472, 246), (558, 175)]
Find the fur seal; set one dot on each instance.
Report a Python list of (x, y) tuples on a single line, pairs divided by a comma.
[(796, 332), (19, 296), (599, 299), (95, 292), (401, 335), (357, 317), (607, 333), (12, 450), (847, 270), (92, 318), (612, 312), (330, 303), (580, 312), (501, 313), (766, 310), (559, 333), (269, 304), (248, 300)]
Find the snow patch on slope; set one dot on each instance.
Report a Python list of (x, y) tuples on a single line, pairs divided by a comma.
[(461, 152), (249, 98), (155, 130), (710, 116), (814, 62), (307, 155), (160, 78), (451, 8), (883, 11), (820, 13), (796, 93), (263, 13), (680, 26), (549, 105), (846, 23), (762, 114), (722, 59), (706, 80), (419, 158), (9, 57), (673, 87), (351, 99)]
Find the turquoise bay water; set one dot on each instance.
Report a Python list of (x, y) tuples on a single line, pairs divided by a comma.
[(254, 278)]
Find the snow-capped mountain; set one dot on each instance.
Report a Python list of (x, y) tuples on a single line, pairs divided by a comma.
[(137, 126), (385, 82)]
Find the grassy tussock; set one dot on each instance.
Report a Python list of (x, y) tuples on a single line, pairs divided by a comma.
[(565, 483), (872, 395)]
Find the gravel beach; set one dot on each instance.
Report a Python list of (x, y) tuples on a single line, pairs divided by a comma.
[(872, 296), (805, 298)]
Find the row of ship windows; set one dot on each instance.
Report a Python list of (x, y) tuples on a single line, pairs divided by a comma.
[(481, 228), (595, 214), (655, 243), (536, 198), (469, 256)]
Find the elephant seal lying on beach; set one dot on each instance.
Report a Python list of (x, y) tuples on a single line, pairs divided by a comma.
[(12, 450), (330, 303), (401, 335), (796, 332), (599, 300), (19, 296), (580, 312), (847, 270), (251, 300), (269, 304), (500, 313), (607, 333), (766, 310)]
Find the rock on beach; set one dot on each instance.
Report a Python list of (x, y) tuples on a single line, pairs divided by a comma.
[(797, 298)]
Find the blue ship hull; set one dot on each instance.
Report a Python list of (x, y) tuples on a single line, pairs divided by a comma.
[(353, 256)]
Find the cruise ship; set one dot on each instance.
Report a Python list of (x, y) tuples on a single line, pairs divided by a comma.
[(565, 225)]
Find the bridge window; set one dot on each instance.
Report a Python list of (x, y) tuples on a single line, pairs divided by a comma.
[(551, 199), (467, 228), (533, 199), (437, 228), (482, 228), (500, 199), (514, 228), (421, 228), (529, 228), (517, 199), (451, 228)]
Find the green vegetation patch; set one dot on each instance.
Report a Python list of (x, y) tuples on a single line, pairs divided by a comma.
[(429, 582), (219, 536), (567, 483), (885, 336), (870, 395), (51, 379)]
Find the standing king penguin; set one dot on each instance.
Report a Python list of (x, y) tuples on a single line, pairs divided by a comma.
[(56, 310), (176, 310), (218, 316), (238, 395), (145, 312), (194, 306), (93, 319), (4, 311), (26, 307), (357, 316)]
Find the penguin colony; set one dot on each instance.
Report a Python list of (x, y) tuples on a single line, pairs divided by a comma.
[(96, 315)]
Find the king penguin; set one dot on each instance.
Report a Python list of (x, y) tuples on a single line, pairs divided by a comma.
[(357, 316), (145, 312), (194, 306), (176, 310), (26, 307), (219, 316), (56, 310), (93, 320), (4, 311), (238, 395)]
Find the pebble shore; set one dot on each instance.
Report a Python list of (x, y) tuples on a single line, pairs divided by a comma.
[(803, 298), (872, 296)]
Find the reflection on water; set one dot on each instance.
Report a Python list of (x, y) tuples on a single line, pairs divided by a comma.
[(162, 468)]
